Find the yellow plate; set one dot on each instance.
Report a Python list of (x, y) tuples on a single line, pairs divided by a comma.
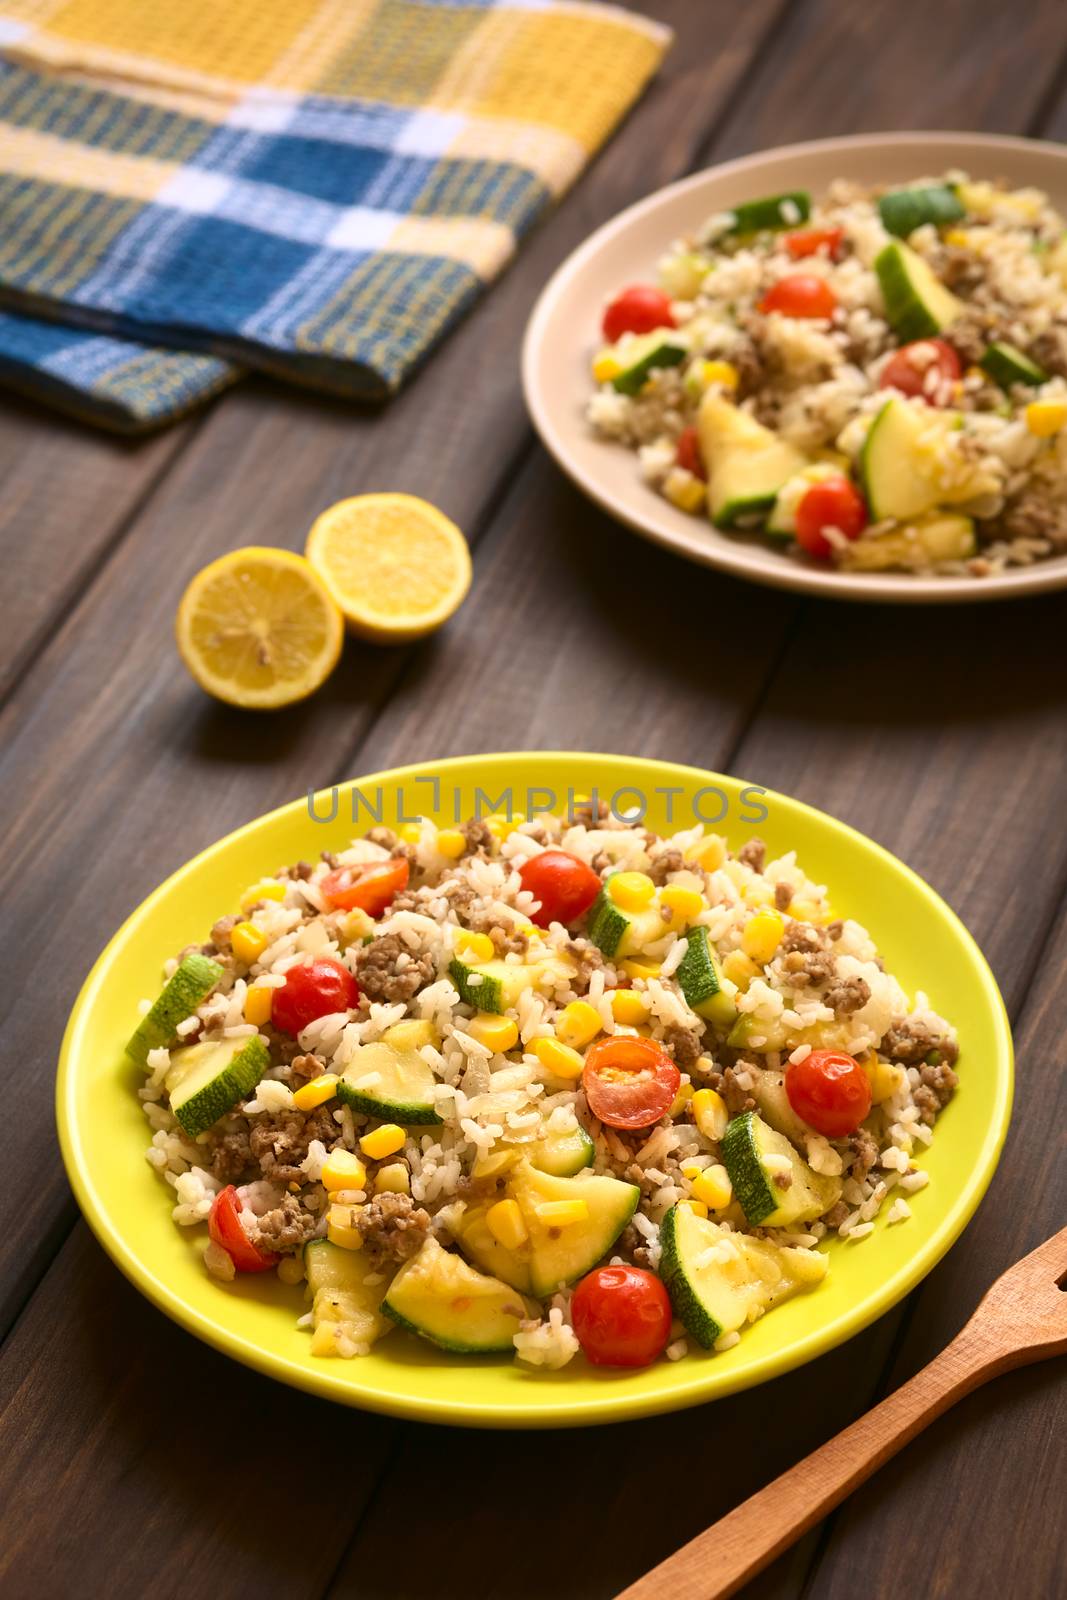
[(104, 1135)]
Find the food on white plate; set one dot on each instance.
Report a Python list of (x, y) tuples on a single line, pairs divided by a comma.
[(874, 380)]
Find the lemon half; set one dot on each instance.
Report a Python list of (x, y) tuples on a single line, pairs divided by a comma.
[(397, 567), (258, 628)]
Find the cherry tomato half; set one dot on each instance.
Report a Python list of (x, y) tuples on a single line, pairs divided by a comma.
[(829, 1091), (565, 886), (316, 989), (688, 454), (629, 1081), (809, 241), (370, 886), (928, 368), (224, 1226), (638, 309), (833, 503), (802, 294), (622, 1316)]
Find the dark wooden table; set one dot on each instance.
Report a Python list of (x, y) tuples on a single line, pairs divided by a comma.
[(134, 1460)]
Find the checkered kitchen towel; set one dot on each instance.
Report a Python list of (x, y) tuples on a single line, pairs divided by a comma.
[(318, 188)]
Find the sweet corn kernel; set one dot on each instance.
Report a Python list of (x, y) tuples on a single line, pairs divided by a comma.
[(713, 1186), (409, 832), (505, 1222), (683, 904), (578, 1024), (884, 1078), (258, 1002), (723, 372), (709, 852), (739, 968), (762, 935), (502, 826), (697, 1207), (640, 969), (632, 891), (957, 236), (343, 1170), (558, 1058), (343, 1234), (266, 889), (496, 1033), (315, 1093), (393, 1179), (383, 1141), (1046, 417), (606, 366), (451, 843), (356, 925), (561, 1213), (629, 1007), (474, 946), (248, 942), (684, 490), (681, 1100), (412, 1034), (691, 1170), (710, 1114)]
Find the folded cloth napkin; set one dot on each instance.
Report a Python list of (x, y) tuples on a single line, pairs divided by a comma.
[(317, 188)]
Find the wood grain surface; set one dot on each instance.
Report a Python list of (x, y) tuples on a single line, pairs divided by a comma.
[(132, 1459)]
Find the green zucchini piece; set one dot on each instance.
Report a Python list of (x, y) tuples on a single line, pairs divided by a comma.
[(439, 1296), (491, 985), (774, 1186), (618, 933), (395, 1085), (770, 214), (917, 304), (699, 976), (782, 522), (924, 542), (188, 986), (747, 463), (643, 354), (563, 1154), (1007, 366), (904, 210), (722, 1296), (340, 1297), (206, 1080)]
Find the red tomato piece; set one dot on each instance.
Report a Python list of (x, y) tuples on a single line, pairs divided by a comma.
[(313, 990), (565, 886), (809, 241), (928, 368), (829, 1091), (802, 294), (833, 503), (370, 886), (688, 453), (629, 1081), (224, 1226), (639, 309), (622, 1316)]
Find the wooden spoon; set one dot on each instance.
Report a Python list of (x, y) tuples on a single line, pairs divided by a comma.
[(1022, 1318)]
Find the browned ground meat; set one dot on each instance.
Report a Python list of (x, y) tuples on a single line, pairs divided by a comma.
[(287, 1227), (865, 1154), (392, 1225), (583, 816), (383, 836), (301, 871), (221, 930), (804, 967), (231, 1157), (1034, 516), (279, 1141), (936, 1090), (783, 1180), (804, 937), (633, 1244), (329, 858), (783, 896), (477, 835), (505, 942), (836, 1215), (737, 1099), (589, 960), (387, 970), (308, 1067), (753, 853), (1049, 351), (406, 900), (663, 865), (846, 995), (912, 1040), (283, 1047), (834, 930), (684, 1044)]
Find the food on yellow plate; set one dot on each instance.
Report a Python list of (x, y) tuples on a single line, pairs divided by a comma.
[(258, 628), (565, 1057), (397, 567)]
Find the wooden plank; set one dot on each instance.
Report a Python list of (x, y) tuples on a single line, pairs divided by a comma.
[(108, 698)]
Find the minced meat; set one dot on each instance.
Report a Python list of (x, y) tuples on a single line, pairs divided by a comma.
[(393, 1225), (387, 970), (279, 1141), (478, 836), (663, 865), (231, 1157), (865, 1153), (735, 1094), (846, 995), (912, 1040), (684, 1044), (287, 1227), (753, 853)]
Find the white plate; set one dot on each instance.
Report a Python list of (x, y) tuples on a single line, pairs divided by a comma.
[(562, 335)]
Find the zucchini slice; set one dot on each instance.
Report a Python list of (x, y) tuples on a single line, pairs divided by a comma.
[(439, 1296), (904, 210), (562, 1155), (207, 1080), (747, 463), (618, 933), (917, 304), (341, 1301), (699, 977), (925, 541), (492, 985), (1006, 366), (744, 1280), (774, 1186), (770, 214), (642, 354), (187, 987), (396, 1085)]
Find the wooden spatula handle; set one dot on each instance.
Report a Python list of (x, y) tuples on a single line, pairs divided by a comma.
[(717, 1562)]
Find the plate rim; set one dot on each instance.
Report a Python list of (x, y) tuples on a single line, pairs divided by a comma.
[(540, 1411), (868, 588)]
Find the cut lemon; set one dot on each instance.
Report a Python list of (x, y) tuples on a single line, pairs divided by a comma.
[(396, 566), (258, 628)]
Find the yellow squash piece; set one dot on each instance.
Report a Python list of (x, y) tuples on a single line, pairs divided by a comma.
[(397, 567), (258, 628)]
